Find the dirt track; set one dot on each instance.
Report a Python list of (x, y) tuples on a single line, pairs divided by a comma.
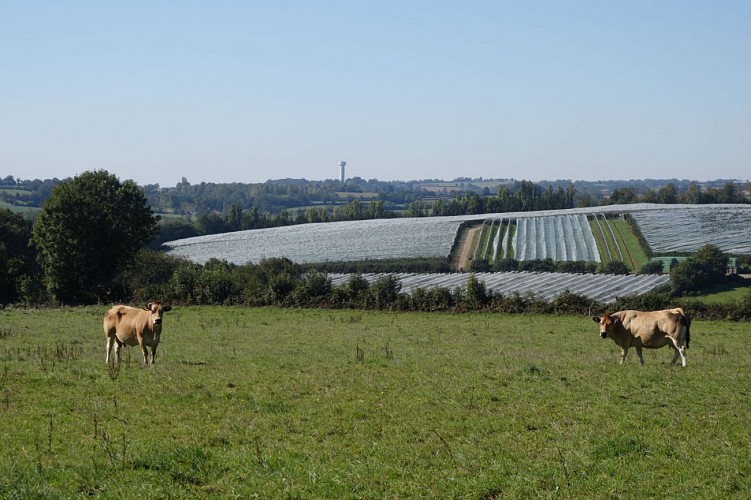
[(463, 256)]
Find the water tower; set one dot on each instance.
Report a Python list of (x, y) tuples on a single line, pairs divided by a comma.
[(342, 164)]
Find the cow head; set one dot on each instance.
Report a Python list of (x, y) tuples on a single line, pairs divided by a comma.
[(607, 323), (157, 310)]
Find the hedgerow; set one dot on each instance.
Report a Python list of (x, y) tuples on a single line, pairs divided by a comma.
[(280, 282)]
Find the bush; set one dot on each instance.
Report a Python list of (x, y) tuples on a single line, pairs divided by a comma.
[(705, 268), (480, 266), (314, 289), (539, 266), (654, 301), (149, 276), (383, 293), (183, 283), (615, 267), (476, 295), (568, 302), (577, 267), (507, 265), (216, 286), (651, 267), (280, 286)]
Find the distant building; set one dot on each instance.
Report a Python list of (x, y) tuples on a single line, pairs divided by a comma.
[(342, 164)]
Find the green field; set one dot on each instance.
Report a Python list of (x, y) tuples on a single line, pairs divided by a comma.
[(283, 403), (723, 294), (18, 208)]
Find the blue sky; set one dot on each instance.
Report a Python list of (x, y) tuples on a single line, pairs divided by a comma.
[(248, 91)]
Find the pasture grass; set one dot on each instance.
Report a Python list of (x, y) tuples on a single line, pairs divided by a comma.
[(725, 293), (282, 403)]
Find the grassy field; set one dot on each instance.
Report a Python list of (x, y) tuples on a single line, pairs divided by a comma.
[(720, 294), (18, 208), (280, 403)]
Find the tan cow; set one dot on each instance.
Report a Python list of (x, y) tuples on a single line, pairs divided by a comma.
[(651, 330), (124, 325)]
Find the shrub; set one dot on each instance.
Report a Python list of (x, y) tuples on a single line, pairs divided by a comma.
[(280, 286), (216, 286), (651, 267), (314, 289), (507, 265), (476, 295), (383, 293), (615, 267), (149, 276), (480, 266), (568, 302)]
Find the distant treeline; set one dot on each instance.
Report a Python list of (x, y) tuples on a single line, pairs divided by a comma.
[(520, 196), (209, 208)]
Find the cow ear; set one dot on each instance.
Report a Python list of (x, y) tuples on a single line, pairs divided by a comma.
[(596, 319), (166, 308), (616, 321)]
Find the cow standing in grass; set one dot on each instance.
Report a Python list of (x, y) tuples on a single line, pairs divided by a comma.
[(124, 325), (651, 330)]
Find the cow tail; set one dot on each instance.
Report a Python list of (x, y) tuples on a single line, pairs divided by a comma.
[(686, 321)]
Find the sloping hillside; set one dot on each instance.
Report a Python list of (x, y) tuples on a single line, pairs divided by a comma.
[(665, 227)]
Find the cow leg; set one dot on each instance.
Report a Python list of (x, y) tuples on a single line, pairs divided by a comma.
[(639, 353), (118, 346), (153, 354), (675, 357), (110, 340), (624, 351), (679, 351), (145, 352)]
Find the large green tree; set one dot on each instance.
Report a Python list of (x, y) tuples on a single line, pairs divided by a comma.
[(704, 268), (89, 231), (16, 258)]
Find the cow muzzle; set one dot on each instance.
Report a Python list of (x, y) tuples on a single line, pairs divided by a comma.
[(603, 335)]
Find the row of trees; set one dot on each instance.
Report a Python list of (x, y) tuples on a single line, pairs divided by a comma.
[(670, 194), (273, 196), (291, 194), (30, 193), (523, 196), (551, 266), (210, 208)]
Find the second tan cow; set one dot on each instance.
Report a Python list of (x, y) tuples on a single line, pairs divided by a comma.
[(124, 325), (647, 329)]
